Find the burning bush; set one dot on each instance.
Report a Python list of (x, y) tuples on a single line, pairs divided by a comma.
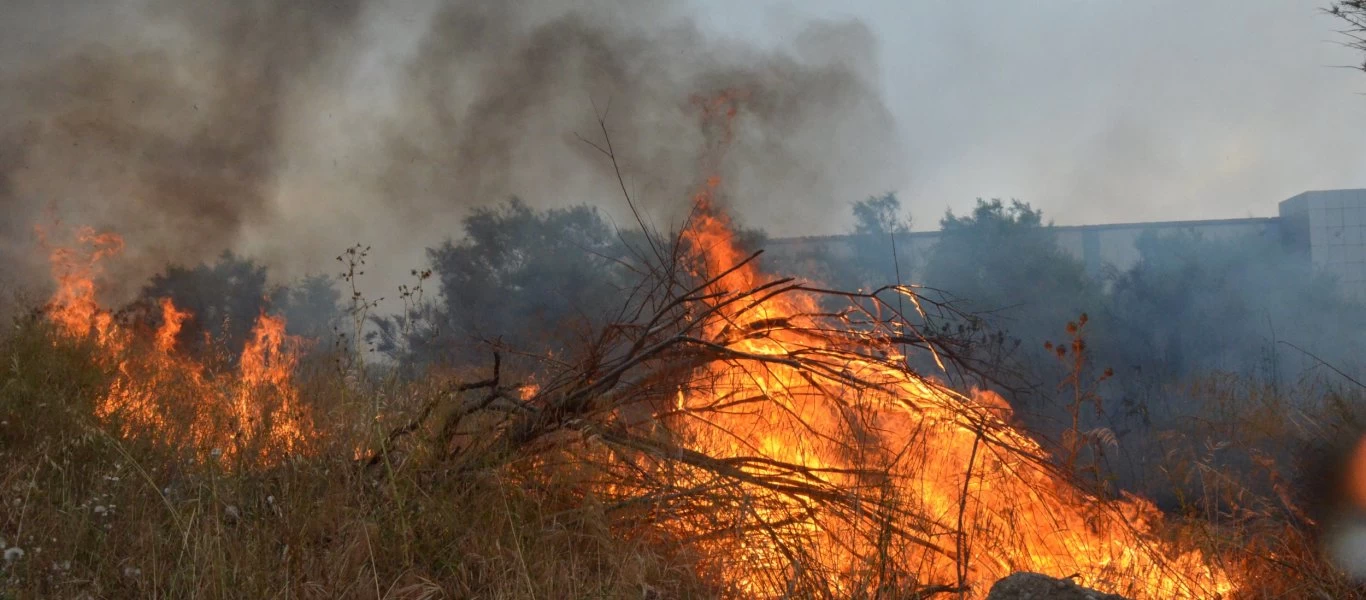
[(251, 414)]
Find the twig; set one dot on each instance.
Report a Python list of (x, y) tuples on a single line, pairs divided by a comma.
[(1326, 364), (413, 424), (963, 550)]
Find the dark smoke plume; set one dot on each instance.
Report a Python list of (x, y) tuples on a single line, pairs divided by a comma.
[(290, 129), (166, 127)]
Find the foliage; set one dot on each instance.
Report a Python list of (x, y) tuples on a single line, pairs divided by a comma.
[(1189, 308), (878, 223), (1004, 259), (226, 297), (311, 307), (1195, 305), (1003, 264), (96, 516), (518, 278), (538, 281), (100, 516)]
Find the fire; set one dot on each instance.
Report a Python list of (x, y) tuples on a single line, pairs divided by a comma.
[(976, 498), (967, 498), (250, 414), (74, 308)]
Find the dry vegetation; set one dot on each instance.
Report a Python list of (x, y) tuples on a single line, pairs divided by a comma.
[(727, 435), (101, 516), (724, 438)]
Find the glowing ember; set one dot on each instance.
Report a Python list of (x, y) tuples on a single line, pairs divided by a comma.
[(529, 391), (250, 415), (975, 498)]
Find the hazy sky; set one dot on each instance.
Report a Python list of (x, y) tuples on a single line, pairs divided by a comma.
[(1104, 110), (291, 130)]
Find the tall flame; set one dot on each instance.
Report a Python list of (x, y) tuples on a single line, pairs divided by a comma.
[(74, 307), (251, 413), (981, 492)]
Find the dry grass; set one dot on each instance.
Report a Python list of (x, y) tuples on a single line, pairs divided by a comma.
[(417, 491), (103, 517), (1255, 465)]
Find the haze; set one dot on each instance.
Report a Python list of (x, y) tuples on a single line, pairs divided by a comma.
[(383, 123), (1104, 111)]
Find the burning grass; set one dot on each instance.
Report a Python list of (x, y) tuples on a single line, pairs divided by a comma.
[(97, 514), (794, 448), (726, 436), (248, 413)]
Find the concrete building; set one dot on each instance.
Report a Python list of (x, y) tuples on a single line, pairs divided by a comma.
[(1327, 228)]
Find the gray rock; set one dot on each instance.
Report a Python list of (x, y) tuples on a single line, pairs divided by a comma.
[(1033, 586)]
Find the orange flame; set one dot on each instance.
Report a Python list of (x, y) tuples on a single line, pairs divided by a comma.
[(74, 307), (981, 492), (251, 414)]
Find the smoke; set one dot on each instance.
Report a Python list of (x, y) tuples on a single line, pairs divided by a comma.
[(289, 130), (164, 122)]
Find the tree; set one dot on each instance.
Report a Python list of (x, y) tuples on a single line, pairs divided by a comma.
[(1001, 263), (1195, 305), (1004, 262), (224, 297), (311, 307), (879, 227), (532, 281), (1353, 12), (878, 222)]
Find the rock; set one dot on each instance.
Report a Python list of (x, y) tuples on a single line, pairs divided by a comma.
[(1033, 586)]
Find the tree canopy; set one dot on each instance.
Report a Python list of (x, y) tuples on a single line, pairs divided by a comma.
[(878, 223), (1193, 304), (1002, 260), (530, 280), (226, 297)]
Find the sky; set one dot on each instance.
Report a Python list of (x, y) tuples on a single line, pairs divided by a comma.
[(288, 131), (1100, 111)]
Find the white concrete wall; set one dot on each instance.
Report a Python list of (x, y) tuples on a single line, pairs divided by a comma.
[(1111, 245), (1329, 227), (1335, 223)]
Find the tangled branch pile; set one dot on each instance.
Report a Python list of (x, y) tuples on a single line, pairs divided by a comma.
[(794, 451)]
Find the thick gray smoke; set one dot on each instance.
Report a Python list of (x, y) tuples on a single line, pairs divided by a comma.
[(289, 130), (163, 122)]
